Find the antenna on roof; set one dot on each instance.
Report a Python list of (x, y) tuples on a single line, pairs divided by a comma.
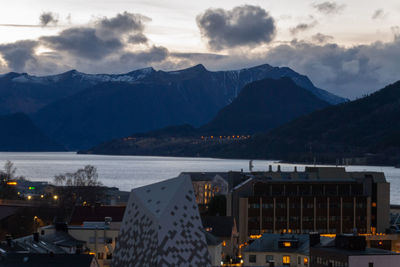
[(251, 165)]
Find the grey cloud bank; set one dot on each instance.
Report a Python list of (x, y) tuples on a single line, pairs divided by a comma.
[(119, 44), (242, 26)]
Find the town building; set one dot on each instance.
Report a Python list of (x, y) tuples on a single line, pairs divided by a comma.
[(99, 238), (214, 246), (223, 227), (328, 200), (281, 250), (162, 227), (351, 251), (47, 260)]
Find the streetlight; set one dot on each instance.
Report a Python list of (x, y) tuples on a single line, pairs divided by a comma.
[(29, 197), (55, 197)]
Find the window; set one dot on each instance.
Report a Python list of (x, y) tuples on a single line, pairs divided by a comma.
[(100, 255), (252, 258), (305, 261), (371, 264), (269, 258), (286, 260)]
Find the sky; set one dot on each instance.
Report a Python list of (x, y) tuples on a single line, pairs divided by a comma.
[(350, 48)]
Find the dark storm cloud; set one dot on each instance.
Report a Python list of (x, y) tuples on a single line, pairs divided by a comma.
[(154, 54), (378, 14), (349, 72), (242, 26), (123, 23), (47, 18), (139, 38), (328, 8), (301, 27), (82, 42), (18, 54), (198, 56), (105, 37), (322, 38)]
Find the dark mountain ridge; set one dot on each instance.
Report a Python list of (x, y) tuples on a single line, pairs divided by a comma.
[(18, 134), (260, 106), (145, 100)]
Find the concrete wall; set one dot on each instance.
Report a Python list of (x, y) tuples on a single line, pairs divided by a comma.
[(383, 207), (377, 260)]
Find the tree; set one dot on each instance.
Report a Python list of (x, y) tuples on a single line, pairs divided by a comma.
[(7, 191), (9, 170), (81, 186)]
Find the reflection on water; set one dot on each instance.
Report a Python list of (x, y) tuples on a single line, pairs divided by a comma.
[(127, 172)]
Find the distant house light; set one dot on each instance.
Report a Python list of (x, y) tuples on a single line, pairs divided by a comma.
[(12, 183)]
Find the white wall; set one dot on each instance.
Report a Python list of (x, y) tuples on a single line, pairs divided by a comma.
[(377, 260)]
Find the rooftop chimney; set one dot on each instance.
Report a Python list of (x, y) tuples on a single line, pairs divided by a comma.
[(36, 237), (279, 168), (295, 168), (270, 168)]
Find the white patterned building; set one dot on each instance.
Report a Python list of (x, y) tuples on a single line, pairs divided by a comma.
[(162, 227)]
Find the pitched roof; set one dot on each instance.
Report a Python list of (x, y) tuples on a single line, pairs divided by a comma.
[(156, 197), (46, 260), (220, 226), (96, 214), (211, 239)]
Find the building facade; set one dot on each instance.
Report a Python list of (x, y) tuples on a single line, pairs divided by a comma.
[(162, 227), (320, 199)]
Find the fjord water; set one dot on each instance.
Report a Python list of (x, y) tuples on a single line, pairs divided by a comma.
[(127, 172)]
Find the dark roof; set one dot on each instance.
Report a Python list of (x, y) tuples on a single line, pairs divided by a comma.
[(46, 260), (220, 226), (42, 246), (347, 252), (270, 243), (211, 239), (62, 239), (96, 214)]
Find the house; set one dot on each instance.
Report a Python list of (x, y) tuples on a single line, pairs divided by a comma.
[(214, 245), (162, 227), (99, 238), (351, 251), (47, 260), (281, 250), (223, 227)]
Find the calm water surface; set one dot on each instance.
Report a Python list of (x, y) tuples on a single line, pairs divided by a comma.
[(127, 172)]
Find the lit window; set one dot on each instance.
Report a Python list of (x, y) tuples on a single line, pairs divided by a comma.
[(374, 204), (224, 243), (286, 260), (305, 261), (287, 244)]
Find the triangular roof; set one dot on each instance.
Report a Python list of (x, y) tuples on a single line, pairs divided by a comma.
[(156, 197)]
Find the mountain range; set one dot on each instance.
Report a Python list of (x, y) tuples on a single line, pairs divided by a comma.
[(260, 106), (80, 110), (367, 129)]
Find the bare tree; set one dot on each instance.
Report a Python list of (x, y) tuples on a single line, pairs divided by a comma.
[(86, 176), (9, 170), (80, 186)]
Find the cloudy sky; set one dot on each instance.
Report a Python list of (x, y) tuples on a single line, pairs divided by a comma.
[(350, 47)]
